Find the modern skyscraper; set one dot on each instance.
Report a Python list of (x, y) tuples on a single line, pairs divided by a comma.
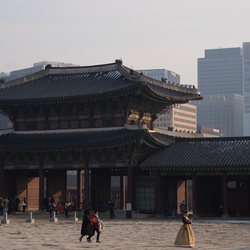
[(158, 74), (220, 72), (36, 67), (246, 88), (223, 112), (222, 81)]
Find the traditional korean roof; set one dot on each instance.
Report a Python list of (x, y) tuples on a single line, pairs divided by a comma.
[(62, 84), (81, 140), (202, 154)]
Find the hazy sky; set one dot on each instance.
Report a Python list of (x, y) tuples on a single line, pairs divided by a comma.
[(144, 34)]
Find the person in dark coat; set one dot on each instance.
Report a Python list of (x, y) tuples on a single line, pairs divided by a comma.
[(86, 225)]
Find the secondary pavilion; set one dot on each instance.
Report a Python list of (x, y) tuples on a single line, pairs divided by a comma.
[(219, 169), (98, 119)]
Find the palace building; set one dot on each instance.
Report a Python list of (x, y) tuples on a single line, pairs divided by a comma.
[(99, 119)]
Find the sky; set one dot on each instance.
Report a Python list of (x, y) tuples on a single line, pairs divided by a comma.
[(145, 34)]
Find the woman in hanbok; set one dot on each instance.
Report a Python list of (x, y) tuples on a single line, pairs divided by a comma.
[(185, 237)]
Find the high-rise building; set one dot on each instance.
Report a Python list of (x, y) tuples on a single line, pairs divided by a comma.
[(36, 67), (246, 88), (160, 74), (5, 77), (181, 117), (223, 112), (220, 72), (222, 81)]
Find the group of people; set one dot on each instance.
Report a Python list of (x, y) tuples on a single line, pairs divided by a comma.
[(11, 205), (174, 208), (60, 207), (91, 223)]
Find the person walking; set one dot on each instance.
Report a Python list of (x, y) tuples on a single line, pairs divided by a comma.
[(24, 204), (96, 225), (86, 225), (185, 236)]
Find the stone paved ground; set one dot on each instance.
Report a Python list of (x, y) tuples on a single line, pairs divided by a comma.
[(141, 232)]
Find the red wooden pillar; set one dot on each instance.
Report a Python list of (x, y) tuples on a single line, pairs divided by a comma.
[(225, 207), (79, 189), (41, 184), (194, 194), (122, 192), (86, 187)]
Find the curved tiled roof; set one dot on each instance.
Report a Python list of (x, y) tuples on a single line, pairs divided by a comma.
[(62, 141), (67, 85), (202, 154), (99, 82)]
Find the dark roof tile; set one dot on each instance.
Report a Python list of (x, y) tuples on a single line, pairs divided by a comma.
[(202, 153)]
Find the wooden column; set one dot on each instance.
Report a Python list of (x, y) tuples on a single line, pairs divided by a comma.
[(158, 204), (86, 187), (122, 192), (186, 193), (237, 197), (194, 194), (79, 189), (225, 207), (41, 184), (93, 203), (130, 195), (2, 193)]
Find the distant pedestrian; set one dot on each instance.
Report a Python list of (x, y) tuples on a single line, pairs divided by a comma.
[(46, 204), (166, 207), (17, 201), (24, 204), (11, 206), (59, 206), (5, 205), (100, 204), (52, 200), (182, 207), (174, 208), (52, 209), (66, 209), (1, 206), (112, 208)]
